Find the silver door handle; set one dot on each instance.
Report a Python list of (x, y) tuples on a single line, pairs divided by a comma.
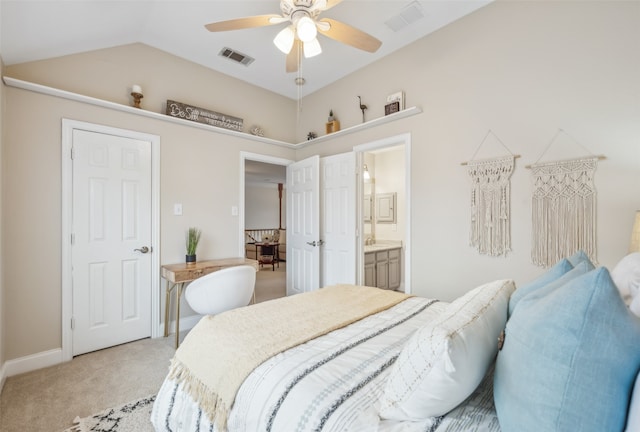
[(316, 243), (143, 249)]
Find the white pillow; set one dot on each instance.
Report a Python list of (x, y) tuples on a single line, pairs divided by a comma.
[(444, 361), (633, 419), (626, 276)]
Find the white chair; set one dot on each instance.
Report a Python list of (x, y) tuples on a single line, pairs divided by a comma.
[(222, 290)]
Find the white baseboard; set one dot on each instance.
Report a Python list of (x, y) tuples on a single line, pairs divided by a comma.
[(33, 362), (53, 357)]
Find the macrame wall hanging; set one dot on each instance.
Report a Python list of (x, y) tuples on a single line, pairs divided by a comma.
[(563, 208), (490, 230)]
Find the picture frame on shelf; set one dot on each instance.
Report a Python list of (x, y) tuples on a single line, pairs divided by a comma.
[(396, 97), (392, 107)]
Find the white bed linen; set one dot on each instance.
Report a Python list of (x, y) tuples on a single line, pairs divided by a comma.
[(331, 383)]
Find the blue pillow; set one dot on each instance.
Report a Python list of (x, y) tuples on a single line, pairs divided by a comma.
[(579, 257), (569, 360), (581, 268), (560, 268)]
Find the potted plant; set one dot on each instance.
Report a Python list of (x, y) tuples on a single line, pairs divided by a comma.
[(331, 117), (193, 238)]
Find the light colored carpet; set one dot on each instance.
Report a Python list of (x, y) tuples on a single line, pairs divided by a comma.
[(271, 284), (48, 400)]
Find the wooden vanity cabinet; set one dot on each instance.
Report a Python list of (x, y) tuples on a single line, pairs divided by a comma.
[(382, 268)]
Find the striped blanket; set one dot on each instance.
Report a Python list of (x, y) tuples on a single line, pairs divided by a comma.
[(329, 384), (221, 351)]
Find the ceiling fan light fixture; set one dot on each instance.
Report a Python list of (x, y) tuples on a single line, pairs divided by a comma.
[(284, 39), (306, 29), (312, 48)]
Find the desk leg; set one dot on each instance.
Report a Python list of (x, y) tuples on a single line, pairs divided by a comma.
[(166, 308), (178, 295)]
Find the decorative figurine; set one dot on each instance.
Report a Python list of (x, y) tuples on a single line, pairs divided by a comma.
[(363, 107), (136, 92)]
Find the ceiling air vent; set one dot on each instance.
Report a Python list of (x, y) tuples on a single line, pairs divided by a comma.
[(236, 56), (409, 15)]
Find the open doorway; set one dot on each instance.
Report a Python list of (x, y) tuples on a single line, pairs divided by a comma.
[(263, 221), (385, 218)]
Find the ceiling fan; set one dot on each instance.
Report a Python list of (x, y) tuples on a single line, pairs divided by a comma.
[(300, 35)]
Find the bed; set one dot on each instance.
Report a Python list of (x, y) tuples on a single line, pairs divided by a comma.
[(409, 363)]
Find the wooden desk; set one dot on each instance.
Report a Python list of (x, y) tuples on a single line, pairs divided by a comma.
[(177, 275)]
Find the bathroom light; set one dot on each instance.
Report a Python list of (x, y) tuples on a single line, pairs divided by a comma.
[(284, 39), (365, 174), (312, 48), (306, 29)]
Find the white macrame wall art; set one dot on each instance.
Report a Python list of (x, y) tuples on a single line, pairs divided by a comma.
[(490, 229), (563, 209)]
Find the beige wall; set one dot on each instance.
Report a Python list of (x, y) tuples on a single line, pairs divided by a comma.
[(262, 206), (199, 168), (522, 69), (389, 174), (108, 74)]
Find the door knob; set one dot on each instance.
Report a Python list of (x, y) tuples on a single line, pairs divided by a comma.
[(143, 249), (316, 243)]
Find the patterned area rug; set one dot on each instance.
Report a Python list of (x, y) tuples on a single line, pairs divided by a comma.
[(131, 417)]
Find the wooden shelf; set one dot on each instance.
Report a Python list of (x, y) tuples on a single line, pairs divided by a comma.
[(51, 91)]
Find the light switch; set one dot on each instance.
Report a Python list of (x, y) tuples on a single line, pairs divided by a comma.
[(177, 209)]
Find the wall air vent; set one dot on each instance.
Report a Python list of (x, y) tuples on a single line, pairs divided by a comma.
[(236, 56), (409, 15)]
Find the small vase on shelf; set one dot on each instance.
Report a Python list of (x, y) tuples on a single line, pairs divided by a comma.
[(190, 259)]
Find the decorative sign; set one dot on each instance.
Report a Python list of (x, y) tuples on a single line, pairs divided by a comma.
[(391, 108), (201, 115)]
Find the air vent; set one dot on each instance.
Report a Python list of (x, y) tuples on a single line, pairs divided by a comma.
[(236, 56), (409, 15)]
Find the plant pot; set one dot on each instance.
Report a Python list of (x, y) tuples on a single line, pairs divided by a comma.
[(190, 259)]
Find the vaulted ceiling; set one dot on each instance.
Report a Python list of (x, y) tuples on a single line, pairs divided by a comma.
[(35, 30)]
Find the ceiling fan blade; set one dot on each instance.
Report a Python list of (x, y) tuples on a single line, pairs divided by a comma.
[(332, 3), (243, 23), (349, 35), (318, 5), (293, 58)]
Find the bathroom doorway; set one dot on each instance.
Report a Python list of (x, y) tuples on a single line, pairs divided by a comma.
[(384, 248)]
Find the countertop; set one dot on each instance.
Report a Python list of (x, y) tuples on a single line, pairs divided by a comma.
[(382, 245)]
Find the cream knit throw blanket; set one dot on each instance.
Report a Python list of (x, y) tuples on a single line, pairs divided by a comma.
[(222, 350)]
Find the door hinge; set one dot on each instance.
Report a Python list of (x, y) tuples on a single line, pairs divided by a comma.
[(71, 153), (73, 323), (73, 238)]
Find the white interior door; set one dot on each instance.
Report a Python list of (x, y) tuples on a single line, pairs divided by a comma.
[(303, 233), (112, 233), (338, 219)]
